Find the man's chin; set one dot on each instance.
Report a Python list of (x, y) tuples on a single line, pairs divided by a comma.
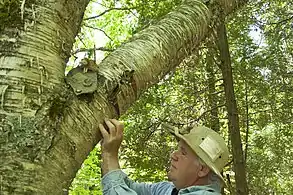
[(170, 176)]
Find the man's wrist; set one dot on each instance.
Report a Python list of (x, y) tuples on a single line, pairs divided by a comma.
[(108, 154), (110, 162)]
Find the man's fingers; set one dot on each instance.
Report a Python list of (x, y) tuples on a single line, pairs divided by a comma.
[(111, 126), (112, 135), (115, 127), (103, 131), (119, 126)]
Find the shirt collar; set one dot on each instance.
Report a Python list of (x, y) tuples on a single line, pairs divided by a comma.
[(213, 187)]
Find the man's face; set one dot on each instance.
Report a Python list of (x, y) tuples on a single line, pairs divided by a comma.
[(185, 168)]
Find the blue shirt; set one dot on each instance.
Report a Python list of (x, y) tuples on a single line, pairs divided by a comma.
[(117, 183)]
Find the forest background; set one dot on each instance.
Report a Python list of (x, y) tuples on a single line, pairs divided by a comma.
[(260, 42), (226, 64)]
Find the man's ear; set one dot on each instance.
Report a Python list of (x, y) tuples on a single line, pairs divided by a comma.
[(204, 171)]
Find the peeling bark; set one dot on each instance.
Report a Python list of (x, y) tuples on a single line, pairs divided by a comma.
[(46, 131), (34, 47)]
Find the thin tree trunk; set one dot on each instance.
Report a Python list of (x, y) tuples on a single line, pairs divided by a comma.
[(46, 131), (247, 121), (212, 96), (234, 130)]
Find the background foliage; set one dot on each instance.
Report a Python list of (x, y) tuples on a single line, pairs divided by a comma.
[(260, 40)]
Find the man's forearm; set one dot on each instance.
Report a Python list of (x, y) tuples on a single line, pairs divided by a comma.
[(110, 162)]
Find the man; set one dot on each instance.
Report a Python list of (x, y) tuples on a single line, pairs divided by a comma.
[(195, 166)]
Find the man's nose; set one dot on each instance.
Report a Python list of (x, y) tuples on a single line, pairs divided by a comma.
[(174, 155)]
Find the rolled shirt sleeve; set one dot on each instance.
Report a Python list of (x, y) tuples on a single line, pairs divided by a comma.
[(117, 183)]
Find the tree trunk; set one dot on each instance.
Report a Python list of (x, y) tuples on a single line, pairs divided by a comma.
[(37, 154), (234, 130), (212, 94), (246, 121), (46, 131)]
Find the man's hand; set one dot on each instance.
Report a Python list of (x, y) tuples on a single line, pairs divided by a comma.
[(113, 137), (111, 142)]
